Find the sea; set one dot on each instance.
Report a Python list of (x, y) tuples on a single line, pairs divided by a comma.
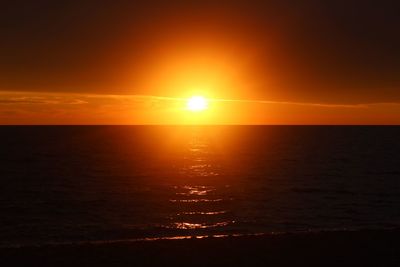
[(74, 184)]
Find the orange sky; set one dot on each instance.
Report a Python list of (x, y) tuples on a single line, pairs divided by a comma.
[(258, 62)]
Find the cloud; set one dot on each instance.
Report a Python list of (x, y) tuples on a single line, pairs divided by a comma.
[(322, 105), (33, 100), (20, 98), (57, 108), (151, 98)]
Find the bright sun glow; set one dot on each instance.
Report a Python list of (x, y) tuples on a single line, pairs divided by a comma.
[(197, 103)]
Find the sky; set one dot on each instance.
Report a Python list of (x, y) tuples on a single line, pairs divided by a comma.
[(259, 62)]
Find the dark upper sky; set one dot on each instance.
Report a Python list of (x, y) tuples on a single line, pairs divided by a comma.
[(317, 51)]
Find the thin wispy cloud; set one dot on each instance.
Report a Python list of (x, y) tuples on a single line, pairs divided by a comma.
[(42, 100), (294, 103), (10, 98), (72, 108)]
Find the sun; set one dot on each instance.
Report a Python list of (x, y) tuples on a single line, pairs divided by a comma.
[(197, 103)]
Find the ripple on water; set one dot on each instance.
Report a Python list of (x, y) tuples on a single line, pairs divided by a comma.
[(188, 226)]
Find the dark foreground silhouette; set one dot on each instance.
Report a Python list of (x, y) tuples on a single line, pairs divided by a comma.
[(341, 248)]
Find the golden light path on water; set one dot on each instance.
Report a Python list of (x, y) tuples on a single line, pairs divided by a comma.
[(199, 205)]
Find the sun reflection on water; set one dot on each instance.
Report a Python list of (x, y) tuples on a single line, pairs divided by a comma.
[(196, 200), (196, 190), (202, 213), (186, 225), (200, 203)]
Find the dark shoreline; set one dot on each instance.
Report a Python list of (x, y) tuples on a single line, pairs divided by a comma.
[(337, 248)]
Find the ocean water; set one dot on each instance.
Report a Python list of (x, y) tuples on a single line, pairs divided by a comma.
[(66, 184)]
